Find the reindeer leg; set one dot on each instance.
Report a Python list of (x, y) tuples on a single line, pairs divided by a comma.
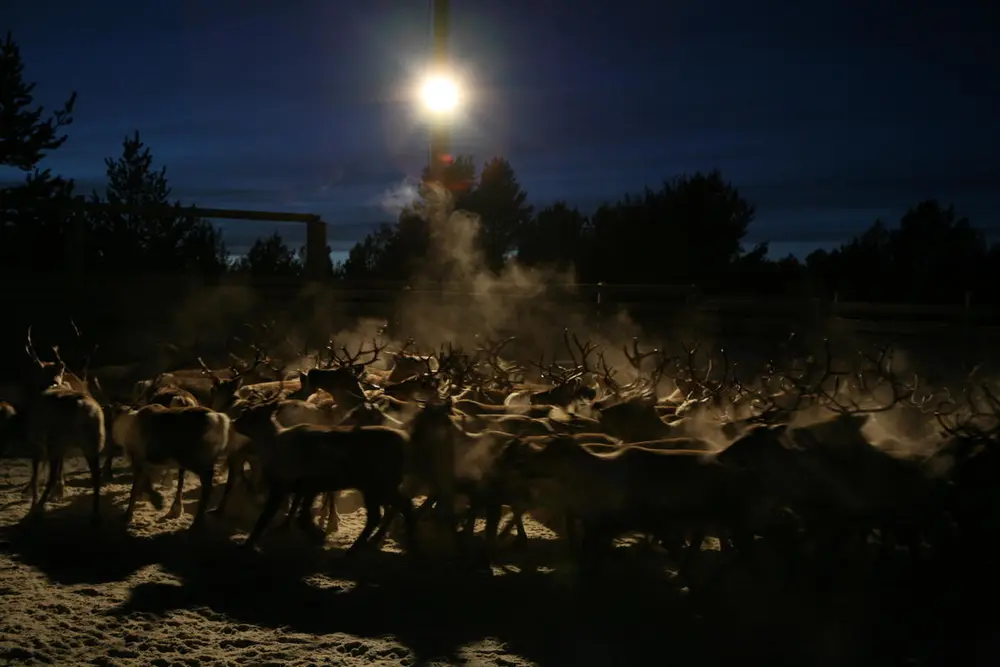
[(177, 508), (94, 462), (332, 516), (55, 468), (507, 528), (271, 506), (206, 495), (401, 506), (293, 509), (493, 511), (231, 475), (521, 541), (475, 507), (32, 488), (692, 551), (139, 477), (109, 459), (59, 484), (405, 508), (305, 520), (373, 510), (152, 495), (425, 506)]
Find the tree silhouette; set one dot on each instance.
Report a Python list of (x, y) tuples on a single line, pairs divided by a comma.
[(270, 256), (933, 255), (688, 231), (130, 241), (499, 201), (392, 252), (24, 136), (38, 228), (939, 252), (557, 236), (399, 252)]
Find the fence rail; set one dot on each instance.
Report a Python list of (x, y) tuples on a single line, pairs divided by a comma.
[(129, 314), (601, 296)]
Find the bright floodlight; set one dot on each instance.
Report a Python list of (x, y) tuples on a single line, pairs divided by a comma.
[(439, 94)]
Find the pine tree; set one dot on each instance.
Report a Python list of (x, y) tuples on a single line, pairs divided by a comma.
[(38, 225), (137, 242)]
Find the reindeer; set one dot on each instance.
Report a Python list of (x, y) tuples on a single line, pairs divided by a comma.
[(450, 461), (59, 419), (569, 386), (406, 365), (169, 395), (630, 488), (308, 460), (193, 438), (207, 386), (633, 415), (341, 378), (416, 388)]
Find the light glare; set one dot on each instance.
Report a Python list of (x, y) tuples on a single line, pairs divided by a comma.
[(439, 94)]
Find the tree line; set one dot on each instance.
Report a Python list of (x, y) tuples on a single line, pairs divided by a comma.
[(689, 230)]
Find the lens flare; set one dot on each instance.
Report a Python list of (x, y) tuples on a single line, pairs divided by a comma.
[(439, 94)]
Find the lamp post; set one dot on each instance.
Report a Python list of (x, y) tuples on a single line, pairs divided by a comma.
[(440, 93)]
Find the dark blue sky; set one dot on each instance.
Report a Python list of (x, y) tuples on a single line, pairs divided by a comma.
[(826, 114)]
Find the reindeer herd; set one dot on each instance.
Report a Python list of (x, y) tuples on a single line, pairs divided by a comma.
[(815, 455)]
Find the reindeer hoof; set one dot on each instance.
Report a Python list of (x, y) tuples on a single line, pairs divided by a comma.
[(355, 549), (156, 499), (176, 511), (26, 491), (480, 561), (316, 536)]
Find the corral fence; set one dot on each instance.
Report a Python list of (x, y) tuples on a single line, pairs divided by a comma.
[(130, 315)]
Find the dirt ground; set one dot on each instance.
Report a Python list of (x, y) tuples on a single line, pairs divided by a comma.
[(156, 595)]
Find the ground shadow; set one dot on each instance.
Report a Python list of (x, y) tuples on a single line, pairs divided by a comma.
[(536, 602), (64, 545), (631, 613)]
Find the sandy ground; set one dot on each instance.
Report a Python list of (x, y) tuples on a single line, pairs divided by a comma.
[(156, 595)]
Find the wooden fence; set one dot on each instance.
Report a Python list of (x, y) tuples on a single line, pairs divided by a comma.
[(129, 313)]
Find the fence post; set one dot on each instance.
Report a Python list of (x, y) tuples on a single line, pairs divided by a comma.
[(967, 352), (317, 257)]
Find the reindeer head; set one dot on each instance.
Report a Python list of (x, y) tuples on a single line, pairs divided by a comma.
[(44, 374), (342, 379), (435, 415), (408, 365)]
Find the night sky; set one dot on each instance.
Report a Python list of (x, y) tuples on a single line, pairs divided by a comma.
[(825, 114)]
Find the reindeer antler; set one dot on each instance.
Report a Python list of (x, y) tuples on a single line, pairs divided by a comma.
[(349, 359), (585, 350)]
